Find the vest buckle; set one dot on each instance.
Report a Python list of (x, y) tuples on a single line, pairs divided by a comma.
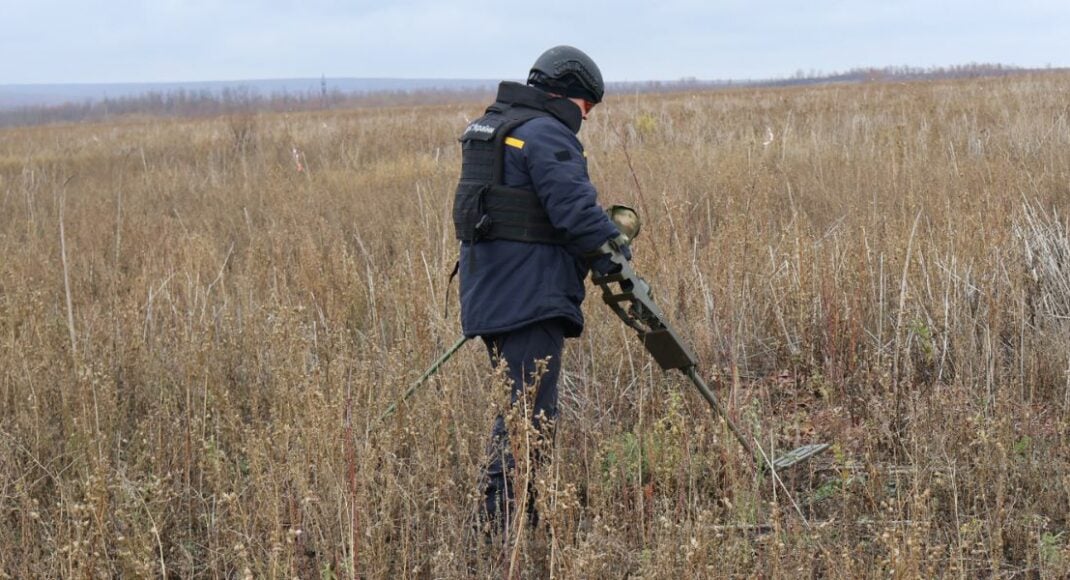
[(482, 228)]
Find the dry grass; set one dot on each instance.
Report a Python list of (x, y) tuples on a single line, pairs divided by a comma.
[(196, 339)]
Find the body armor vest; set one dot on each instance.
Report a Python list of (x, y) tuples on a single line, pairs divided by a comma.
[(484, 208)]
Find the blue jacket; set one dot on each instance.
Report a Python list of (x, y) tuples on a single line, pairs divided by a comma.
[(505, 284)]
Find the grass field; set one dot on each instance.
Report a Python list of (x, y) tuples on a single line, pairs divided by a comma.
[(197, 338)]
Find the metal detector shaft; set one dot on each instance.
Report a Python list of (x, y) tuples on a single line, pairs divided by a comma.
[(628, 295), (423, 378)]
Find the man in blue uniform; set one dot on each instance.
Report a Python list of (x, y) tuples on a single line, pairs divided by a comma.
[(530, 227)]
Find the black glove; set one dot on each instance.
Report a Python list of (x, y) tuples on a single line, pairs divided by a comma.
[(604, 264)]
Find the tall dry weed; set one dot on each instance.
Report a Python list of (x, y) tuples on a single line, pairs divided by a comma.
[(197, 339)]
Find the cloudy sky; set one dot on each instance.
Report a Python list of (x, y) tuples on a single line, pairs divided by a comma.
[(96, 41)]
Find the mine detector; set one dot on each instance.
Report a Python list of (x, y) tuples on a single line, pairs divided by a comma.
[(629, 296)]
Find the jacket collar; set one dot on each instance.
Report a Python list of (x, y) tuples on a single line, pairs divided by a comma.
[(564, 110)]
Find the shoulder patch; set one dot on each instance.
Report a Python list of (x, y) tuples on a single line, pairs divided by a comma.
[(482, 129), (563, 155), (514, 142)]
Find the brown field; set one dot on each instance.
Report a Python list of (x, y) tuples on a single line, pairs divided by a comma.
[(196, 340)]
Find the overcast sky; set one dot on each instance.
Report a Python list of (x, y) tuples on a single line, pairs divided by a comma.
[(96, 41)]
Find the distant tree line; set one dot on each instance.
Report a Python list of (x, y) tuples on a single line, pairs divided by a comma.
[(208, 103), (858, 75), (905, 73)]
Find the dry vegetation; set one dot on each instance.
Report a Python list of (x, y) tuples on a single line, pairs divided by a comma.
[(196, 340)]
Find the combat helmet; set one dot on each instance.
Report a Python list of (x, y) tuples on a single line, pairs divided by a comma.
[(569, 71)]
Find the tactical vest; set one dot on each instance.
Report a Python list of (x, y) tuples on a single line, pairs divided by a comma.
[(484, 208)]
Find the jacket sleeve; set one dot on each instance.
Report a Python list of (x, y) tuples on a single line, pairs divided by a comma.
[(558, 171)]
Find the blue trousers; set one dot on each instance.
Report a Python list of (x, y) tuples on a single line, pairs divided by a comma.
[(520, 349)]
